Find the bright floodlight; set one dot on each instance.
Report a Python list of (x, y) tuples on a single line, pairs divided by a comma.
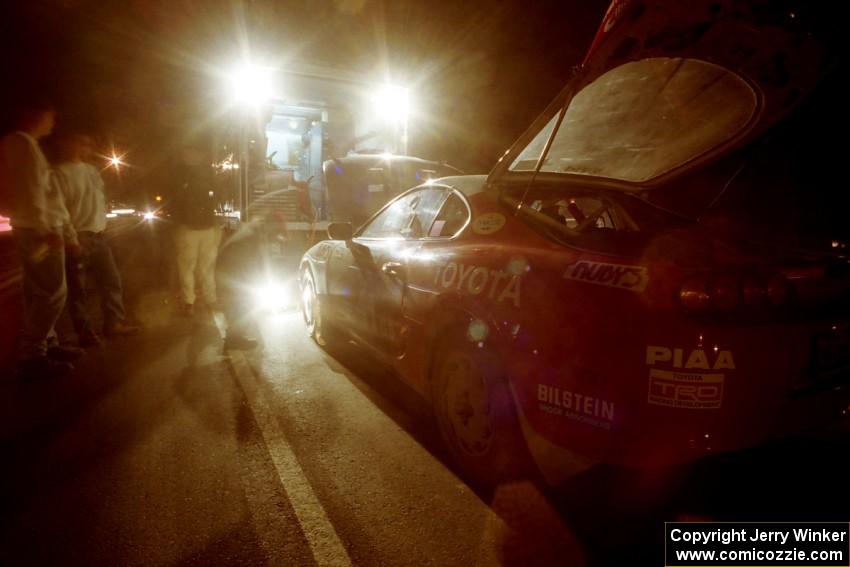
[(271, 296), (115, 161), (250, 84), (393, 102)]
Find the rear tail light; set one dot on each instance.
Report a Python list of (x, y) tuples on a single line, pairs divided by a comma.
[(726, 293), (777, 289), (754, 292), (694, 295)]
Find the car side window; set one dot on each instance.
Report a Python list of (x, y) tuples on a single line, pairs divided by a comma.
[(393, 220), (426, 210), (452, 217), (573, 212), (408, 216)]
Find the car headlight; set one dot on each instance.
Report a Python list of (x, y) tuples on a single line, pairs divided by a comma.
[(272, 296)]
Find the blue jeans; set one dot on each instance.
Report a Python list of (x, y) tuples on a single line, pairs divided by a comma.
[(98, 259), (44, 290)]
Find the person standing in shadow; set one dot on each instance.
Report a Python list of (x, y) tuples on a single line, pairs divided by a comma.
[(83, 191), (31, 198)]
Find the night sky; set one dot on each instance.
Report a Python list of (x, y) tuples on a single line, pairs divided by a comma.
[(130, 71)]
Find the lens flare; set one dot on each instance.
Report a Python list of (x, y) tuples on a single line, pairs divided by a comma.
[(271, 296)]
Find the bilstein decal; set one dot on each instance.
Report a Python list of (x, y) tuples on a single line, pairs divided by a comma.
[(488, 223), (688, 390), (479, 280), (633, 278), (696, 358), (578, 407)]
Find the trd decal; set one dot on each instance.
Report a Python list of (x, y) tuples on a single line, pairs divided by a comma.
[(478, 280), (633, 278), (685, 389)]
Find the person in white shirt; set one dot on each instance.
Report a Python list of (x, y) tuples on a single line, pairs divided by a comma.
[(42, 232), (83, 192)]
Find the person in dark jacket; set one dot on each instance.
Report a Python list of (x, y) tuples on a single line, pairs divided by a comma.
[(197, 232)]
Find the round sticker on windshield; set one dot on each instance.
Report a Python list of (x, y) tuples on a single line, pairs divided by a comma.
[(488, 223)]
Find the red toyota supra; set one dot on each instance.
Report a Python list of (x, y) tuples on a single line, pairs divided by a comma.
[(654, 272)]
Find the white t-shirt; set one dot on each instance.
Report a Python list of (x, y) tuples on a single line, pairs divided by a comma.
[(36, 198), (84, 196)]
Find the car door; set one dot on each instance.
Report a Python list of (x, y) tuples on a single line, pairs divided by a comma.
[(383, 249), (436, 249)]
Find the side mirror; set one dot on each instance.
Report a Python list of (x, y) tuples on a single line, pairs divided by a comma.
[(340, 231)]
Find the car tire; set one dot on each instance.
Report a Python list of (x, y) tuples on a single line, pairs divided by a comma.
[(312, 311), (476, 415)]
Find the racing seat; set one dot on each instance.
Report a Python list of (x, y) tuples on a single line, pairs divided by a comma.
[(551, 211), (577, 213)]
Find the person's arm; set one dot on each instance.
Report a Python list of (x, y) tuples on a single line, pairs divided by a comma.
[(69, 195), (68, 232), (26, 179), (175, 196), (100, 201), (98, 183)]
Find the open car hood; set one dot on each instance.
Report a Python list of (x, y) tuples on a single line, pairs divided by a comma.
[(773, 53)]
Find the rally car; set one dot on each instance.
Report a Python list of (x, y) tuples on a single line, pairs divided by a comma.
[(610, 292)]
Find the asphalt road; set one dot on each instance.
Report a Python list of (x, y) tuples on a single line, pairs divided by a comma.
[(152, 454), (161, 450)]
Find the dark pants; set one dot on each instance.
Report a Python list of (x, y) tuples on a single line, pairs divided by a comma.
[(96, 258), (44, 290)]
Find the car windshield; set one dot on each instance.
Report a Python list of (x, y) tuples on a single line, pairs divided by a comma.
[(643, 119)]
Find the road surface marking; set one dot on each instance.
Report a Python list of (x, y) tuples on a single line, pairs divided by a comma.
[(324, 542)]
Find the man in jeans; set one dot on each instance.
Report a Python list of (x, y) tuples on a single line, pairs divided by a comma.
[(82, 189), (42, 231), (198, 232)]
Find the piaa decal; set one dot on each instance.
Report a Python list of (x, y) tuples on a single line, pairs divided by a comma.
[(684, 358)]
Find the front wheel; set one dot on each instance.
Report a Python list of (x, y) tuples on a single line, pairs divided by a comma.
[(476, 415), (311, 310)]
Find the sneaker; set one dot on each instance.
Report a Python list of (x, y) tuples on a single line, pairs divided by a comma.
[(240, 342), (60, 353), (120, 329), (88, 339), (42, 367)]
